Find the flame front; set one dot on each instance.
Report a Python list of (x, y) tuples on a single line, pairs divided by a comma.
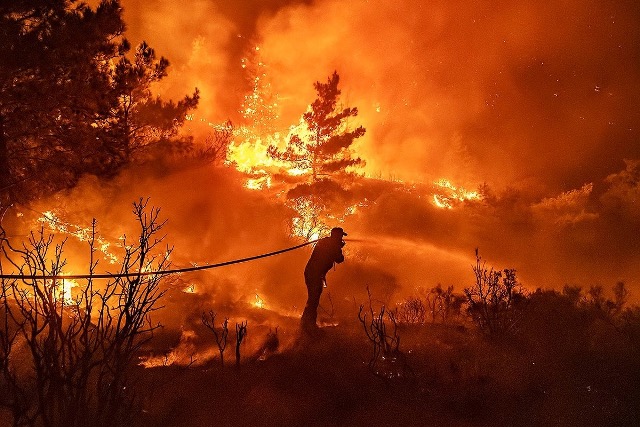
[(448, 195), (249, 153), (83, 234)]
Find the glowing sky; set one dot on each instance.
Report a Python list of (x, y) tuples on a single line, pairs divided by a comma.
[(536, 93)]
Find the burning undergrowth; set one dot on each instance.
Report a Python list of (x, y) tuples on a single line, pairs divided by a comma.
[(400, 240), (279, 189), (400, 244), (207, 225)]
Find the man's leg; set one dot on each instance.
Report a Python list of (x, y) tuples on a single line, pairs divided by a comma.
[(310, 313)]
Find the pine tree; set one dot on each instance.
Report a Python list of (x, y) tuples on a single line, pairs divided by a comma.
[(325, 146), (137, 118), (71, 102)]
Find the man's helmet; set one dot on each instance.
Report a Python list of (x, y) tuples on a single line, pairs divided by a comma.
[(337, 232)]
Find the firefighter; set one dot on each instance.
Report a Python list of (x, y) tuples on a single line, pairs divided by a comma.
[(327, 252)]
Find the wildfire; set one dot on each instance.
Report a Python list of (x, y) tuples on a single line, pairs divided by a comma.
[(297, 171), (249, 152), (447, 195), (307, 224), (250, 155), (258, 183), (259, 302), (184, 354), (83, 234), (62, 290), (190, 289)]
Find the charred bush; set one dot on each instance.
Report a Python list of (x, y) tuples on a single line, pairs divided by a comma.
[(443, 304), (438, 304), (78, 350), (411, 311), (630, 326), (595, 300), (496, 299), (208, 320), (241, 334), (387, 361)]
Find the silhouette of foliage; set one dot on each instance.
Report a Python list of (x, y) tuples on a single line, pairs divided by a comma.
[(494, 301), (441, 304), (208, 320), (217, 143), (75, 367), (596, 300), (387, 361), (411, 311), (72, 101)]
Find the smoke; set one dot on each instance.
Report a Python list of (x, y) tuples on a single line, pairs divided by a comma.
[(493, 92), (211, 217), (196, 39), (540, 94)]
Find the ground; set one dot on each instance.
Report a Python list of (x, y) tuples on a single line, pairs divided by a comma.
[(454, 376)]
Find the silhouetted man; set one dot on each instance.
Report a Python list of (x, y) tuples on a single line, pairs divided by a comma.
[(326, 253)]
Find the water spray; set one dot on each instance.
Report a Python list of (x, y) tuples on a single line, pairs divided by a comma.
[(358, 240)]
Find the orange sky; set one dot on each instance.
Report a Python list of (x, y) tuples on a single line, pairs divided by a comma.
[(542, 95)]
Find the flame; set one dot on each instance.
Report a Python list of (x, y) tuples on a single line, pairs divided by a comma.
[(62, 290), (448, 195), (190, 289), (259, 302), (249, 153), (307, 224), (184, 354), (83, 234), (297, 171), (260, 110), (258, 183), (441, 202), (249, 150), (59, 290)]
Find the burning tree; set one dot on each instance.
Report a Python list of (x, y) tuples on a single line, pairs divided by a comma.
[(260, 107), (325, 146), (75, 366)]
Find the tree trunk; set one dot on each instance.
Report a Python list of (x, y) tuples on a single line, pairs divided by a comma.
[(314, 167), (6, 192)]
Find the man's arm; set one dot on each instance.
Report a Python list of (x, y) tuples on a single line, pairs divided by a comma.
[(339, 255)]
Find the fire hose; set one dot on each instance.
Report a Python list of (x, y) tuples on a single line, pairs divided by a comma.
[(151, 273)]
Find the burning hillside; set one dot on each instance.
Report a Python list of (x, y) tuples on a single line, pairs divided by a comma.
[(157, 216)]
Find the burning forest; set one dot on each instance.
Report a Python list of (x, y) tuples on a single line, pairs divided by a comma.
[(319, 213)]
